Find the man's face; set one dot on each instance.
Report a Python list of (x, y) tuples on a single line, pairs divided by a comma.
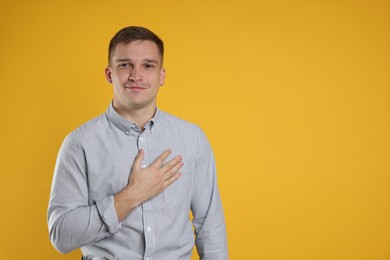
[(136, 74)]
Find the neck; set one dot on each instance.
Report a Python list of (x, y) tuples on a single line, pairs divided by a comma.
[(140, 116)]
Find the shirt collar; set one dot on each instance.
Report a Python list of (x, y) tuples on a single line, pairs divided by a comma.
[(129, 127)]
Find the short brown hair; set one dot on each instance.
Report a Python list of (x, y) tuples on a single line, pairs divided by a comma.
[(134, 33)]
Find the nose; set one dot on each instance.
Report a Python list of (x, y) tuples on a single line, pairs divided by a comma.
[(135, 74)]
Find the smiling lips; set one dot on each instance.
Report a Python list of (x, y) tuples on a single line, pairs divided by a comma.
[(134, 87)]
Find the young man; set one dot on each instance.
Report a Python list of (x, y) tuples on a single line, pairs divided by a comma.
[(125, 182)]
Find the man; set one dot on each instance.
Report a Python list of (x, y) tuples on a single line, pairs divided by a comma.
[(126, 181)]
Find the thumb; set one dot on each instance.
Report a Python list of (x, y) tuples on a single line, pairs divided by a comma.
[(138, 160)]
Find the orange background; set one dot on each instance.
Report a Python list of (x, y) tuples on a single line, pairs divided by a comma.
[(294, 97)]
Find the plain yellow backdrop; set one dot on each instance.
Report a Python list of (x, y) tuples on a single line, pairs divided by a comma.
[(294, 97)]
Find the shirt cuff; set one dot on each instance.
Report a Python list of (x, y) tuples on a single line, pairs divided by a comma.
[(108, 214)]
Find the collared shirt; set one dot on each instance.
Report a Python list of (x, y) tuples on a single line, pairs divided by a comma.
[(94, 163)]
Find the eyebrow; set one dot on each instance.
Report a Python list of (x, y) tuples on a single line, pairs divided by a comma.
[(144, 60), (151, 61)]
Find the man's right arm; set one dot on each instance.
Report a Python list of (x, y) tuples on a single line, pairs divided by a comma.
[(73, 222)]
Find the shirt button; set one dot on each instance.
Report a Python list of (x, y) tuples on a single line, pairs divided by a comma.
[(141, 139), (127, 132), (148, 229), (143, 166)]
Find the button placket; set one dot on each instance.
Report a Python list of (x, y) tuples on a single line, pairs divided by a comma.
[(142, 145), (148, 230), (146, 206)]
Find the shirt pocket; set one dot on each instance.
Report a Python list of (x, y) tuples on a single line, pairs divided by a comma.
[(179, 192)]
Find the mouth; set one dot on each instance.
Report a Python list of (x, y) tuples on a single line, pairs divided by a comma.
[(134, 87)]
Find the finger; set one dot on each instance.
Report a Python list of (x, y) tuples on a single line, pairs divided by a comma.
[(161, 159), (172, 179), (167, 166), (138, 160), (171, 172)]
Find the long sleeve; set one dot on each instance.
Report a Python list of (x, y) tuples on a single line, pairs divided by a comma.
[(72, 221), (206, 207)]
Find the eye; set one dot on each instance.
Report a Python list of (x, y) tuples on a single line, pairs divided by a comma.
[(124, 65), (149, 66)]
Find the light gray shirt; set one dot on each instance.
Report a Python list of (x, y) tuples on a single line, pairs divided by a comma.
[(94, 163)]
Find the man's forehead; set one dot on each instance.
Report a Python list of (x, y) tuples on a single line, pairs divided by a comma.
[(136, 50)]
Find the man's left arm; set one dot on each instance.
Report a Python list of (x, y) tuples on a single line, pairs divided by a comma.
[(206, 206)]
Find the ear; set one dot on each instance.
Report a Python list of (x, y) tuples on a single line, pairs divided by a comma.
[(162, 76), (107, 72)]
